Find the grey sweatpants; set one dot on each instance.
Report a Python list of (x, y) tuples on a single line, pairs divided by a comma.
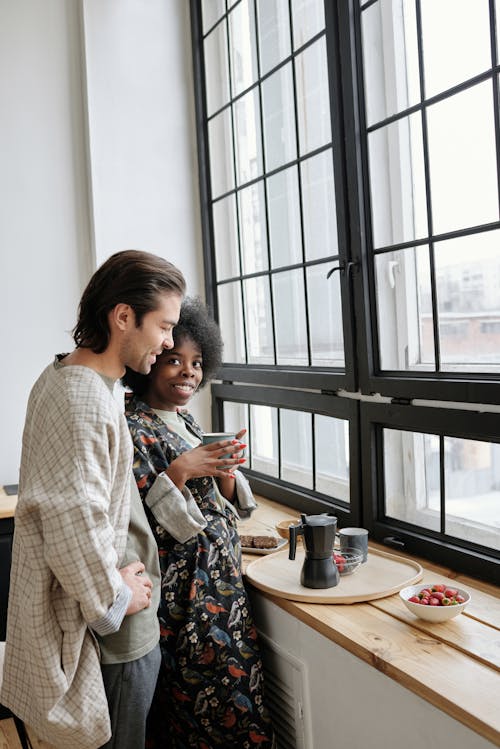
[(130, 688)]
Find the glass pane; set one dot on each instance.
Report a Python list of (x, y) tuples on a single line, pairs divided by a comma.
[(468, 292), (313, 99), (279, 118), (308, 20), (212, 10), (236, 418), (253, 235), (472, 481), (274, 33), (397, 182), (243, 49), (331, 450), (221, 153), (258, 319), (404, 310), (248, 141), (464, 26), (231, 322), (318, 206), (296, 447), (284, 218), (411, 477), (290, 318), (325, 317), (226, 238), (264, 429), (390, 57), (216, 69), (463, 167)]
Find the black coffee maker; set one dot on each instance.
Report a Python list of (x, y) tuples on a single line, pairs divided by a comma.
[(318, 531)]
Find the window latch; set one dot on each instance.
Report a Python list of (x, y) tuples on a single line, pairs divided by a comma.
[(351, 265)]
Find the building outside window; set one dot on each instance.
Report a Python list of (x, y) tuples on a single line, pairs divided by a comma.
[(349, 171)]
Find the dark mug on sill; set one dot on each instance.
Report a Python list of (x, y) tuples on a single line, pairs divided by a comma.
[(356, 538)]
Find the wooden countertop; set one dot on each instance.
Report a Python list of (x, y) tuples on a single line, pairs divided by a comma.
[(454, 665), (7, 504)]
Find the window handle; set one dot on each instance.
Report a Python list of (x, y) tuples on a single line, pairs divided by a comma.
[(341, 267), (393, 541)]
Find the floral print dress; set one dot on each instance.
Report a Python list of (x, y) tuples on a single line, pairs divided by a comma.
[(210, 689)]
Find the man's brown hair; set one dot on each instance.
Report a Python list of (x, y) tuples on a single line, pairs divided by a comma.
[(129, 277)]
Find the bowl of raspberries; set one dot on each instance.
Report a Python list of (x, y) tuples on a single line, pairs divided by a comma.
[(435, 602), (347, 560)]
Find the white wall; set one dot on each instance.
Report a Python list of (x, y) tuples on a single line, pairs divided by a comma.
[(87, 171)]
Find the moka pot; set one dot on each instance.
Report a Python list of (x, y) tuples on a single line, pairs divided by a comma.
[(318, 532)]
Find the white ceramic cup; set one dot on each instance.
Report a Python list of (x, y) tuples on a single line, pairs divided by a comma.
[(356, 538)]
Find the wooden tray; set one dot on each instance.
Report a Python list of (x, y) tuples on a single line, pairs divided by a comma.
[(382, 575)]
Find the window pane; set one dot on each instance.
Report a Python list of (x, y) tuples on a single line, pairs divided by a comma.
[(226, 238), (221, 153), (472, 481), (463, 167), (258, 320), (242, 42), (404, 310), (212, 10), (216, 69), (411, 477), (308, 20), (290, 318), (284, 218), (390, 57), (464, 26), (296, 447), (331, 449), (236, 418), (279, 118), (313, 100), (264, 428), (231, 322), (397, 182), (253, 228), (468, 291), (248, 141), (274, 33), (318, 206), (325, 317)]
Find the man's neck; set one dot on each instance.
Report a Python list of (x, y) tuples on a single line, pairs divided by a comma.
[(105, 364)]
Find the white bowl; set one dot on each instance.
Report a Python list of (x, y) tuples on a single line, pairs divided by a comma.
[(432, 613)]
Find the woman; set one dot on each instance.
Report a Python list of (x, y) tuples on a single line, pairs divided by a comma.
[(210, 689)]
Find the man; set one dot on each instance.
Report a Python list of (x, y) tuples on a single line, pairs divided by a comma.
[(70, 602)]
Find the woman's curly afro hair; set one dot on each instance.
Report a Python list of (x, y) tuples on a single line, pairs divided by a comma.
[(195, 323)]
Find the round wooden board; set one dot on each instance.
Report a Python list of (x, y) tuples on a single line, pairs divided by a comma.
[(382, 575)]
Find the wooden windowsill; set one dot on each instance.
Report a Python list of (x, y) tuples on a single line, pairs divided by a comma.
[(454, 665)]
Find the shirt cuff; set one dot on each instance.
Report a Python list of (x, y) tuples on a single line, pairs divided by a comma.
[(175, 510), (245, 501), (111, 621)]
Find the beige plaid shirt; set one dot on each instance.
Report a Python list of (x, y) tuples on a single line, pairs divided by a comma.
[(70, 532)]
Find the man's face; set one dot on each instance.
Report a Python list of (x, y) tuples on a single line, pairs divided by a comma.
[(141, 345)]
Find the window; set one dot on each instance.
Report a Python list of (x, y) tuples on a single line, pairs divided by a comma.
[(349, 175)]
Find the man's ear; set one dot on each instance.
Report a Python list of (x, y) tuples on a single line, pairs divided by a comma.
[(122, 316)]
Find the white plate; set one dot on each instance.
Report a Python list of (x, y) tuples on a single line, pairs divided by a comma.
[(253, 550)]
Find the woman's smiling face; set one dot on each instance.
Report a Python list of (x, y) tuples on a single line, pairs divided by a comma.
[(175, 376)]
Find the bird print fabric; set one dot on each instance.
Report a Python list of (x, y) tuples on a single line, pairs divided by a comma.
[(210, 688)]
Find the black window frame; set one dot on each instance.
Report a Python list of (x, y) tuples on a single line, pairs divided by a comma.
[(395, 392)]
